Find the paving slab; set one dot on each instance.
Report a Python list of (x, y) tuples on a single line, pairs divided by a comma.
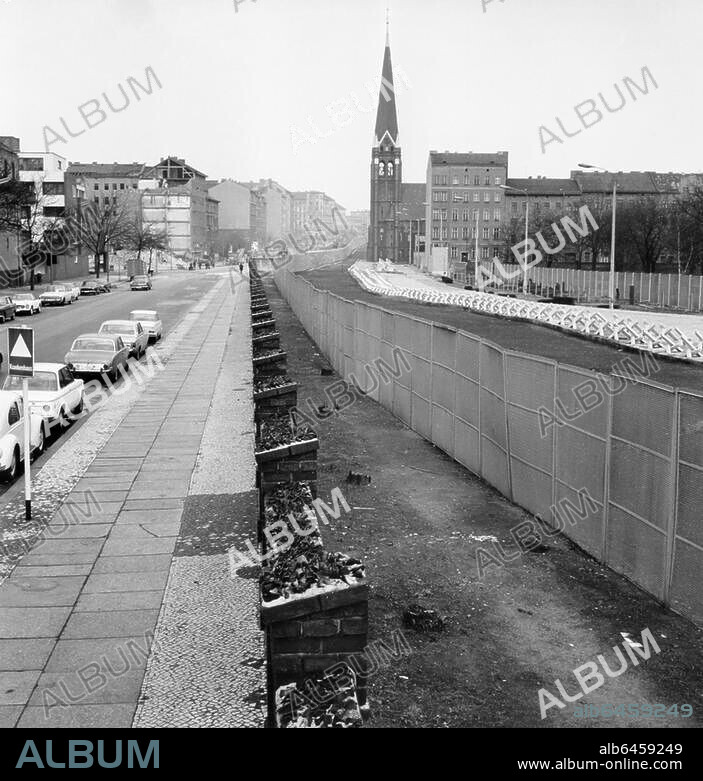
[(137, 600), (116, 623), (53, 571), (149, 515), (103, 684), (69, 655), (18, 622), (104, 716), (126, 581), (23, 655), (9, 715), (144, 563), (32, 591), (138, 547), (15, 687)]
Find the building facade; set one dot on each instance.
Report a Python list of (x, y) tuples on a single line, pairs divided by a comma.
[(9, 238), (465, 207), (280, 210)]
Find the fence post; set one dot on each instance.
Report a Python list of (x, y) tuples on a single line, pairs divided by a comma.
[(673, 505)]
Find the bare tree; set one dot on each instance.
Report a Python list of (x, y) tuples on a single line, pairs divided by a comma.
[(146, 236), (104, 225), (643, 227)]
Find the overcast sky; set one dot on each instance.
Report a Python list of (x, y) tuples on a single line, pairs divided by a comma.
[(240, 84)]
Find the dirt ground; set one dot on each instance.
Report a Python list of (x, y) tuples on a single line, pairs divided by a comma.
[(417, 527)]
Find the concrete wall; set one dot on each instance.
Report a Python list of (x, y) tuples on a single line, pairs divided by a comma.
[(628, 445)]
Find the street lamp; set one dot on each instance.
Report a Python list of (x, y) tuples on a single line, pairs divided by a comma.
[(527, 226), (403, 213), (611, 281)]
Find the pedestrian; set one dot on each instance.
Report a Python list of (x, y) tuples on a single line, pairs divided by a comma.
[(241, 268)]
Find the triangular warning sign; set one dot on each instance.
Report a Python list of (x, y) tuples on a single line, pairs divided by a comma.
[(20, 350)]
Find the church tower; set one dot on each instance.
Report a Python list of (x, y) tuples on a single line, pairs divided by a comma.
[(386, 170)]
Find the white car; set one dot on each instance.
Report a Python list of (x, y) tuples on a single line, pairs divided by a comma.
[(73, 289), (54, 393), (150, 322), (12, 422), (56, 295), (26, 304), (133, 335)]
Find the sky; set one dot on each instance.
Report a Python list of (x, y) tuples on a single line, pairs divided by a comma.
[(280, 88)]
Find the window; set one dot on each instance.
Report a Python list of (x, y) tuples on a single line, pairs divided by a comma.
[(13, 414), (381, 169), (31, 164), (52, 188), (453, 253), (486, 214), (474, 215), (435, 180), (466, 179), (496, 234), (496, 252), (444, 232), (106, 187), (465, 215), (513, 207), (435, 214), (486, 233), (496, 215), (54, 211), (486, 197), (444, 181), (464, 233), (134, 186), (497, 198), (473, 232), (498, 181), (106, 201), (477, 197), (121, 185), (455, 233), (96, 186), (484, 253), (487, 181), (477, 180), (435, 233), (467, 196), (390, 169), (444, 214), (455, 215)]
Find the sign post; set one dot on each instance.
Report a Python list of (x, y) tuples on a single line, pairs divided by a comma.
[(21, 364)]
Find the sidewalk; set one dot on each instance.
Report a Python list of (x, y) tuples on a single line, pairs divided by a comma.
[(136, 612)]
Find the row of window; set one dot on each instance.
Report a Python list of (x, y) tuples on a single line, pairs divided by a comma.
[(485, 253), (516, 206), (114, 186), (442, 196), (441, 214), (466, 233), (488, 181)]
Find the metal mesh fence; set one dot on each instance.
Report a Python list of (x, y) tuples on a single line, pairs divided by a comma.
[(613, 462)]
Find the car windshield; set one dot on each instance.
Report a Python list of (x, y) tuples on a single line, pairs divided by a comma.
[(23, 297), (139, 279), (55, 289), (117, 328), (42, 381), (148, 316), (105, 345), (88, 283)]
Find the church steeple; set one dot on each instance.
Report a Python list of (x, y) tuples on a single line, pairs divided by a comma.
[(387, 115)]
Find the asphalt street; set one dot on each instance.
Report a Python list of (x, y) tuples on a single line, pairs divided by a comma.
[(56, 327)]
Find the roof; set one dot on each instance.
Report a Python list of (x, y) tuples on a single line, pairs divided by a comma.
[(387, 114), (543, 186), (179, 163), (469, 158), (115, 170), (639, 182)]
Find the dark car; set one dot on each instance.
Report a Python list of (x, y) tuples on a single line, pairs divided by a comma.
[(7, 309), (90, 287), (140, 282)]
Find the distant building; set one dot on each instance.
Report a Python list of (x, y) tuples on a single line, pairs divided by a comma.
[(360, 220), (47, 171), (279, 207), (465, 205), (241, 215), (176, 200)]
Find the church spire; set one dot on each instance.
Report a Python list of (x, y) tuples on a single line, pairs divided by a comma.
[(387, 115)]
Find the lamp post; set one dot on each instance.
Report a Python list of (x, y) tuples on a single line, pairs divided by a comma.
[(527, 229), (611, 281)]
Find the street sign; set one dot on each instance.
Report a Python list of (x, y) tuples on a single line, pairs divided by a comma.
[(20, 352)]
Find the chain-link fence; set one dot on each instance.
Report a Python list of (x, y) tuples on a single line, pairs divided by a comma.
[(615, 461)]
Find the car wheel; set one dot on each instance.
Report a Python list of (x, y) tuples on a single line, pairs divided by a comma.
[(79, 407), (2, 318), (9, 474), (40, 445), (64, 422)]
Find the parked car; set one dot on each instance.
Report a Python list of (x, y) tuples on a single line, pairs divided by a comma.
[(149, 321), (96, 354), (56, 295), (12, 422), (74, 290), (140, 282), (54, 393), (90, 287), (132, 333), (7, 309), (26, 304), (105, 287)]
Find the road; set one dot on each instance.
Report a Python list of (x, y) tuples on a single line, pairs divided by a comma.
[(56, 327)]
